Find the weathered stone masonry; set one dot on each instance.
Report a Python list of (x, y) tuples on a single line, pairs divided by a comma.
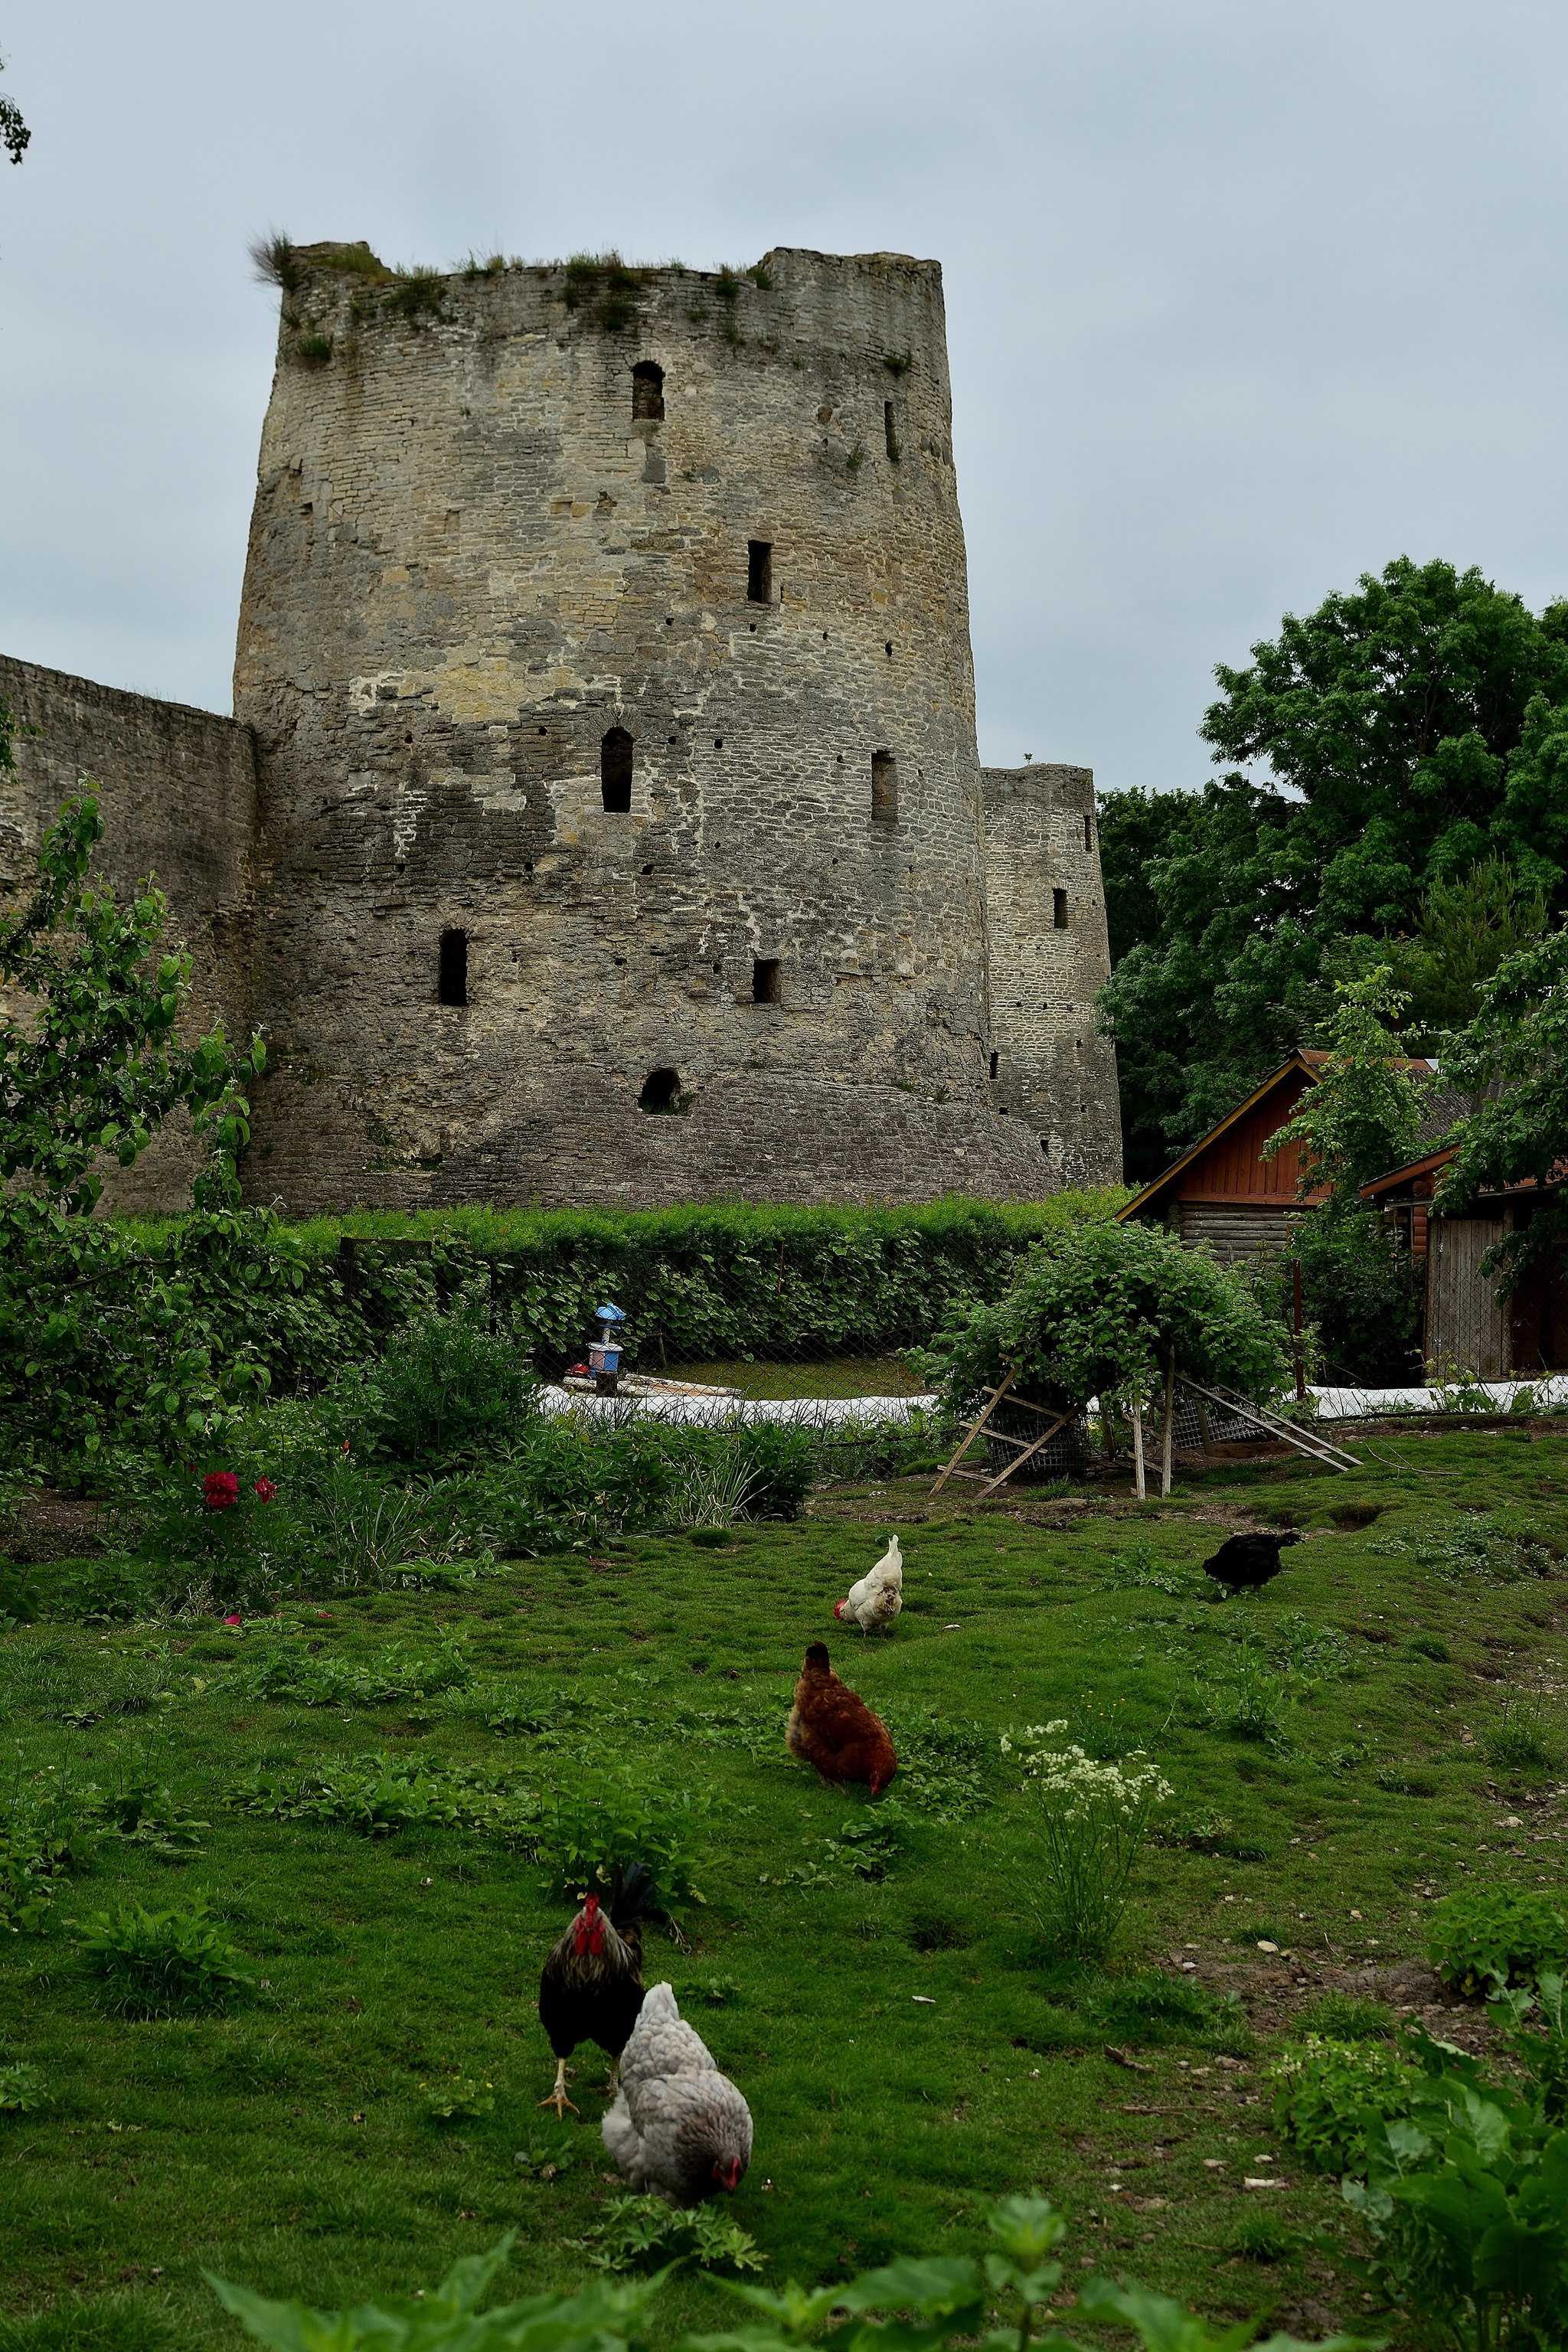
[(618, 831)]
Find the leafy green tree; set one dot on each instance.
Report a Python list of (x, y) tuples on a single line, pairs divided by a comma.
[(1468, 928), (1134, 828), (96, 1064), (89, 1067), (1364, 1116), (1360, 1290), (1226, 982), (1412, 730), (1514, 1058)]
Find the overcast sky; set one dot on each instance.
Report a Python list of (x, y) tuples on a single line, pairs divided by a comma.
[(1244, 298)]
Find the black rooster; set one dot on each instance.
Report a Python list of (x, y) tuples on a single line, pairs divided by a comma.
[(590, 1987), (1244, 1562)]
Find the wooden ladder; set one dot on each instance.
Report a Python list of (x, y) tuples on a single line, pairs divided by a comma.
[(1024, 1448)]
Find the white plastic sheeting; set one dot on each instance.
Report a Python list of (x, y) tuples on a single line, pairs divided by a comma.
[(1456, 1396), (716, 1412)]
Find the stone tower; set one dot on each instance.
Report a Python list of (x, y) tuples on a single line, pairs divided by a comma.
[(604, 638)]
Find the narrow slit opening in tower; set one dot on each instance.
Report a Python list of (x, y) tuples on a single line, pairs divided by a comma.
[(660, 1094), (884, 788), (647, 393), (1088, 831), (1060, 910), (452, 968), (758, 572), (995, 1059), (765, 980), (891, 430), (615, 770)]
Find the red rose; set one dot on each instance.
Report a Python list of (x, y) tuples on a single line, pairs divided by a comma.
[(264, 1490), (220, 1489)]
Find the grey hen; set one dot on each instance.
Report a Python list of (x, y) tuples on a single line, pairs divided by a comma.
[(678, 2129), (1244, 1562)]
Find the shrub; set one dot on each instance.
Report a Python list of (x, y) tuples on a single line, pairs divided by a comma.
[(1094, 1818), (448, 1387), (153, 1962), (1540, 2042), (1097, 1311), (1464, 2197), (1486, 1934), (1361, 1293), (1326, 2093)]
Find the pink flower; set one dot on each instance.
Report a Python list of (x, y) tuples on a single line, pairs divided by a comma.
[(233, 1621), (264, 1490), (220, 1489)]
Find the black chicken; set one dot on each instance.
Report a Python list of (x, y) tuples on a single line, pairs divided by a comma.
[(1244, 1562), (590, 1987)]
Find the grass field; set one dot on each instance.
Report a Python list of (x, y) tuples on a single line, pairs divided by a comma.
[(876, 1979)]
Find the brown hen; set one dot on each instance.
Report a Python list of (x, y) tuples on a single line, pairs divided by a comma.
[(831, 1728)]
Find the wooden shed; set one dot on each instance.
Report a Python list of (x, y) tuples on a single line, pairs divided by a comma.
[(1468, 1329), (1223, 1192)]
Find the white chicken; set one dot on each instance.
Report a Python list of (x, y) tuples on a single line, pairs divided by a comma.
[(679, 2129), (876, 1600)]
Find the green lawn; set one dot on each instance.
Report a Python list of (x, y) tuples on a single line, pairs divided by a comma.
[(909, 2048)]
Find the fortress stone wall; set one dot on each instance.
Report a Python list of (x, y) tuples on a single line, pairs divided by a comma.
[(615, 830)]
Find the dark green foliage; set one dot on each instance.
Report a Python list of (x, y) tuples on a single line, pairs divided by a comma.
[(1420, 718), (448, 1387), (1465, 2200), (1491, 1933), (1096, 1313), (1531, 2020), (1134, 827), (931, 2301), (1513, 1053), (794, 1282), (314, 349), (1361, 1297), (1328, 2090), (588, 1828), (151, 1963), (86, 1338)]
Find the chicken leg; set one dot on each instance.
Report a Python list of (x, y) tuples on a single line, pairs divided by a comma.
[(557, 2098)]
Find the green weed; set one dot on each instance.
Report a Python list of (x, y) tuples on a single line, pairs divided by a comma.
[(151, 1963)]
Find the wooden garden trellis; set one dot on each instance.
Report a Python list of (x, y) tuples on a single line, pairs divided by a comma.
[(1024, 1448), (1306, 1441)]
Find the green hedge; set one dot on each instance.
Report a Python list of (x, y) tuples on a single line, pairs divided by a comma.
[(698, 1283)]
